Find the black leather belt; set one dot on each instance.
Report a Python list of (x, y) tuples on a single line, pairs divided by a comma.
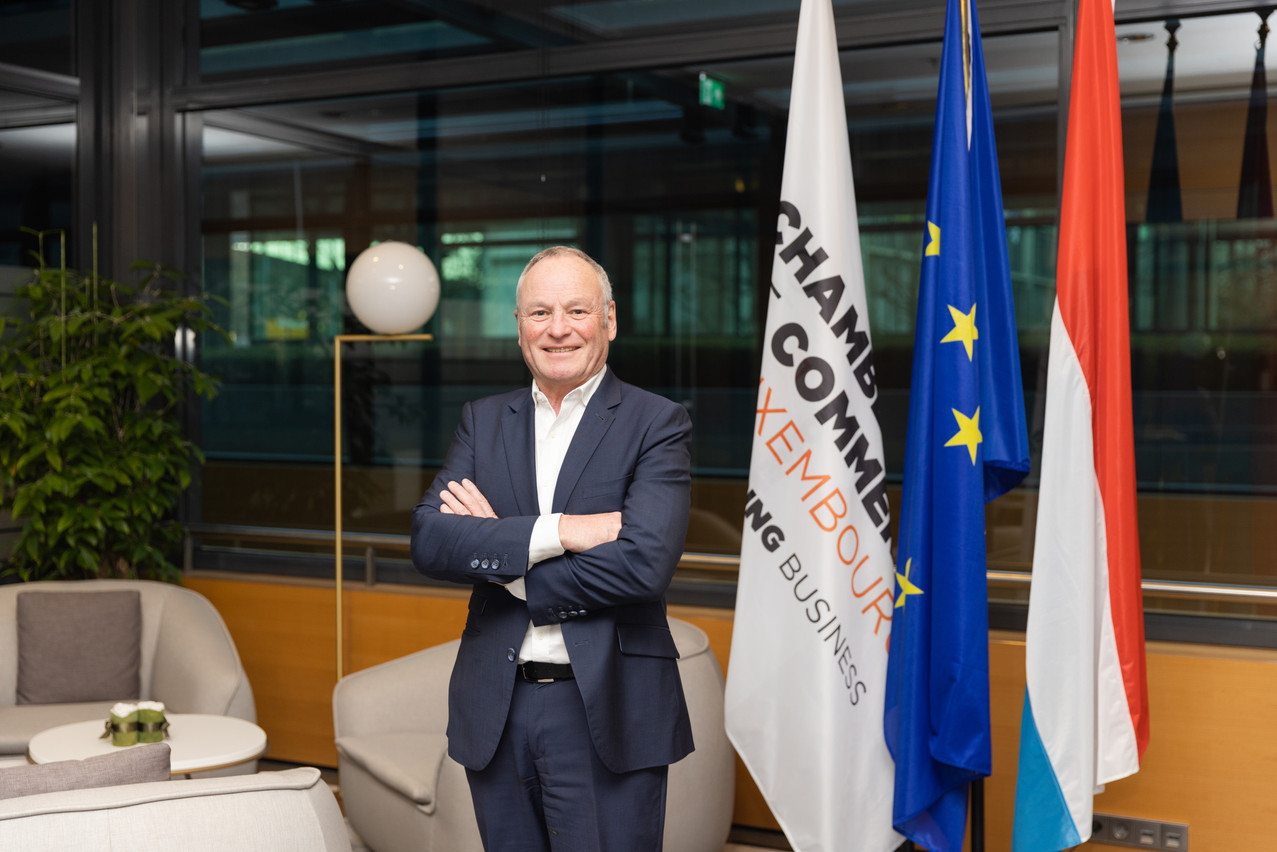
[(535, 672)]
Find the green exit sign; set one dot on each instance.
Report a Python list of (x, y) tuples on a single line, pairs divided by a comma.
[(712, 92)]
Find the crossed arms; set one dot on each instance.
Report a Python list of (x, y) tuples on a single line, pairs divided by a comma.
[(577, 533), (613, 557)]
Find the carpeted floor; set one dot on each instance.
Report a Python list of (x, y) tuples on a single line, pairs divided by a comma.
[(730, 847), (330, 775), (357, 845)]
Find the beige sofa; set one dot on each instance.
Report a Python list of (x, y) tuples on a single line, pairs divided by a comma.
[(402, 792), (188, 661), (290, 811)]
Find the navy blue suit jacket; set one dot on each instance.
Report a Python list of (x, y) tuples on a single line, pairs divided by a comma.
[(629, 454)]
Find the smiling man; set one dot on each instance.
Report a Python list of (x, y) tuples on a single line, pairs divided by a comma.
[(565, 507)]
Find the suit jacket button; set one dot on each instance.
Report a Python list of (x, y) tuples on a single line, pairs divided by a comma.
[(509, 654), (474, 563), (580, 612), (496, 563), (484, 563), (563, 613)]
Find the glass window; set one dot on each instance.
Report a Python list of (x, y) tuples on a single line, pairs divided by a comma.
[(481, 178), (36, 168), (677, 199), (1202, 245), (37, 34)]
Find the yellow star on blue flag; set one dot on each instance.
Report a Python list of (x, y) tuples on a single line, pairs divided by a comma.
[(906, 588), (968, 432), (964, 330)]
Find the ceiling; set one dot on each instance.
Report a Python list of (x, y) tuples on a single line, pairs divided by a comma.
[(892, 83)]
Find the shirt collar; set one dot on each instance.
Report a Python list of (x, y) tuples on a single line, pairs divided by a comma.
[(585, 391)]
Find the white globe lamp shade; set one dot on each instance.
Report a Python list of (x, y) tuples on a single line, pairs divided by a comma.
[(393, 288)]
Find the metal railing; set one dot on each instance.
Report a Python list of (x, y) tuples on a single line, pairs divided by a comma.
[(373, 542)]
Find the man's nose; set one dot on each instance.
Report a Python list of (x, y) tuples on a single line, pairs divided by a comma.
[(559, 325)]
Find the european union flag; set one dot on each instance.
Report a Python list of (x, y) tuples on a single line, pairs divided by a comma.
[(966, 444)]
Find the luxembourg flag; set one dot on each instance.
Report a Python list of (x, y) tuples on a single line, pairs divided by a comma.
[(1085, 718)]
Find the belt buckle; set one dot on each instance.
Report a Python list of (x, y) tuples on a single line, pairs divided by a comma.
[(523, 672)]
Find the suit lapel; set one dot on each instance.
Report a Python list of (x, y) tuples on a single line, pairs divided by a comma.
[(595, 422), (520, 450)]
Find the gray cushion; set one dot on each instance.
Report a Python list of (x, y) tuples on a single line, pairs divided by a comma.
[(127, 766), (79, 646)]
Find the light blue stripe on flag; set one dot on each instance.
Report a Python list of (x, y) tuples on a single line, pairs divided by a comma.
[(1042, 816)]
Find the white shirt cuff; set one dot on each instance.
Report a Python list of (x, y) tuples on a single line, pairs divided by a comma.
[(543, 545)]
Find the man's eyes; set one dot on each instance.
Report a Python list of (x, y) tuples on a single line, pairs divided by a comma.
[(575, 313)]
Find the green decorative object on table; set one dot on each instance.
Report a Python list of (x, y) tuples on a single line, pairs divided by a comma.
[(122, 726), (151, 724), (133, 723)]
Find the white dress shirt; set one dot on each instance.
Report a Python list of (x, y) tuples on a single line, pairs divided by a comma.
[(553, 434)]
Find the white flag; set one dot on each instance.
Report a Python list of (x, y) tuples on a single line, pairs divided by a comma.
[(814, 601)]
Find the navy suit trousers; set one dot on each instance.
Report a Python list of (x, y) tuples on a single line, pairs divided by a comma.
[(565, 800)]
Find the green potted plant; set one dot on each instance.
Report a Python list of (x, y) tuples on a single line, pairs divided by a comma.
[(92, 453)]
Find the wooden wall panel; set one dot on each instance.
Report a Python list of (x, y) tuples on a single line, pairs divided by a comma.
[(1212, 747), (384, 625), (1209, 764), (286, 633)]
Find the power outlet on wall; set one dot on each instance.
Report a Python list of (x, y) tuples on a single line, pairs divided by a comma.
[(1139, 833)]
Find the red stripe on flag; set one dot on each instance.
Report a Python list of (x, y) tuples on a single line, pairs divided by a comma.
[(1092, 292)]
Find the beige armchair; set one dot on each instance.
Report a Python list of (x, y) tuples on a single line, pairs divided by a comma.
[(401, 791), (188, 661)]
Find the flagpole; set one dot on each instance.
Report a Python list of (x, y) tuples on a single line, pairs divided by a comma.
[(977, 815)]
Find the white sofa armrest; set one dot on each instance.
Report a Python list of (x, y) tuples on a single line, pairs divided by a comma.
[(406, 694), (275, 811), (406, 762)]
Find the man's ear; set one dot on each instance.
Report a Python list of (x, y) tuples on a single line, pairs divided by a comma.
[(611, 320)]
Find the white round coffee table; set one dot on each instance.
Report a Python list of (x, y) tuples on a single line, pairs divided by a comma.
[(199, 742)]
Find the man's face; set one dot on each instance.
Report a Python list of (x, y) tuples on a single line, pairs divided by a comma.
[(564, 326)]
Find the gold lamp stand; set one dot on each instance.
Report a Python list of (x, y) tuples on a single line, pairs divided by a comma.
[(338, 340)]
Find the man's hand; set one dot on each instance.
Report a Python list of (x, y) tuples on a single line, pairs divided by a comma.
[(579, 533), (465, 498)]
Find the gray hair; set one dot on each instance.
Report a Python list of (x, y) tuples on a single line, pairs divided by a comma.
[(555, 251)]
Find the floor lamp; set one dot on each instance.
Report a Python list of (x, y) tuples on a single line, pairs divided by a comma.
[(392, 288)]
